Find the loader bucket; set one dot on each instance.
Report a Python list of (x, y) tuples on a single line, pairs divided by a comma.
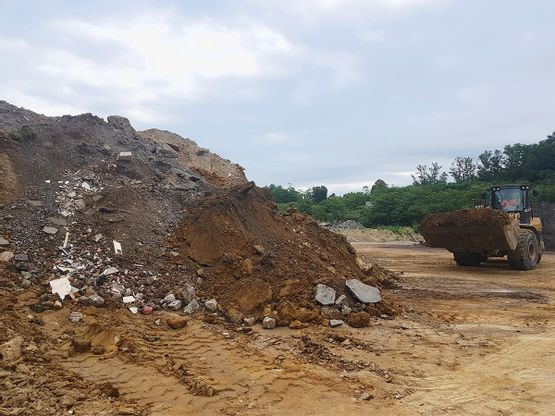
[(475, 230)]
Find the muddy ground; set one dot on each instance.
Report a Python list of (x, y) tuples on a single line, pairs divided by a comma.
[(472, 341)]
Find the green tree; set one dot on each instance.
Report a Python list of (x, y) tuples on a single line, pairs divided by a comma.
[(319, 193), (463, 169)]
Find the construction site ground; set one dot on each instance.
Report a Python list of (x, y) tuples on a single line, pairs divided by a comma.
[(468, 341)]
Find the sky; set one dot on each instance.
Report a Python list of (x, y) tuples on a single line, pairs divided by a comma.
[(301, 92)]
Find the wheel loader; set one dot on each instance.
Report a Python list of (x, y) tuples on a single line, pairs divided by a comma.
[(505, 224)]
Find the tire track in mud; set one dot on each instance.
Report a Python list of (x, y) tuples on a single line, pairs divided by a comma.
[(198, 371)]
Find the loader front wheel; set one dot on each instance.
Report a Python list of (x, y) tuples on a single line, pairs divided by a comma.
[(527, 253), (468, 259)]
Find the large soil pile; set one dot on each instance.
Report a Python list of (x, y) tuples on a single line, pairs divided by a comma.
[(252, 257), (189, 224), (467, 217)]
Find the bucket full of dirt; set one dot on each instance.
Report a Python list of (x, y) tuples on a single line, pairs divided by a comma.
[(477, 230)]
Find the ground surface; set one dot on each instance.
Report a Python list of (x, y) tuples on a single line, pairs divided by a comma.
[(473, 341)]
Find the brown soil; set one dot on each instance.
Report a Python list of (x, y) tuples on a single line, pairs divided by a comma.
[(251, 256), (468, 217), (8, 184)]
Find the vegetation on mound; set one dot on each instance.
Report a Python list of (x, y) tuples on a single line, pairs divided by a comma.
[(431, 191)]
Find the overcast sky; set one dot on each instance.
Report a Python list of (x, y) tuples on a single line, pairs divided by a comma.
[(301, 92)]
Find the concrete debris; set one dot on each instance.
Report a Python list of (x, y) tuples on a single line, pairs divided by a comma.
[(191, 308), (170, 297), (4, 242), (50, 230), (269, 323), (61, 287), (128, 299), (324, 295), (86, 185), (175, 305), (57, 221), (336, 322), (96, 300), (58, 305), (6, 256), (341, 300), (124, 155), (363, 292), (133, 309), (187, 293), (211, 305), (110, 270), (75, 317), (97, 238), (117, 247)]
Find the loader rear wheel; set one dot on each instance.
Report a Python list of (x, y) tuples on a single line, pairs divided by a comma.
[(468, 259), (527, 253)]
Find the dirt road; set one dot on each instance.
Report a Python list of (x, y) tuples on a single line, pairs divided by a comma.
[(474, 341)]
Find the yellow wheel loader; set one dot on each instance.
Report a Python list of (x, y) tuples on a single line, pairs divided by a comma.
[(504, 225)]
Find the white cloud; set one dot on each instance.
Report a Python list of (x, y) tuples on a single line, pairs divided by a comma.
[(270, 138)]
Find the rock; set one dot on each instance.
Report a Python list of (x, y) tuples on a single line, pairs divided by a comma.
[(250, 321), (6, 256), (50, 230), (365, 396), (80, 204), (324, 295), (128, 299), (25, 284), (363, 292), (10, 351), (110, 270), (359, 319), (57, 305), (75, 317), (260, 250), (4, 242), (186, 293), (175, 305), (346, 310), (177, 322), (269, 323), (211, 305), (191, 307), (170, 297), (23, 266), (336, 322), (133, 309), (96, 301), (21, 257), (341, 300)]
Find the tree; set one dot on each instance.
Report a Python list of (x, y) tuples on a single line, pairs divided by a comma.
[(378, 188), (491, 165), (463, 169), (429, 175), (319, 194)]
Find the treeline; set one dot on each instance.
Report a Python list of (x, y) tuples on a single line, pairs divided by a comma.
[(433, 190)]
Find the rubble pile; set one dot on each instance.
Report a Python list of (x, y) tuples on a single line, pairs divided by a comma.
[(347, 225), (95, 213)]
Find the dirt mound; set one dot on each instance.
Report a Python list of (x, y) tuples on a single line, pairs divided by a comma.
[(467, 217), (218, 171), (252, 257)]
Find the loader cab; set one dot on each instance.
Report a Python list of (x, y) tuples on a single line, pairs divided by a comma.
[(513, 199)]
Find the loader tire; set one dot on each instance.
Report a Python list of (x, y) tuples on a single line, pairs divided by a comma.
[(468, 259), (527, 253)]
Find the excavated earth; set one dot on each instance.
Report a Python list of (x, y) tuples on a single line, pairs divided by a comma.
[(468, 216)]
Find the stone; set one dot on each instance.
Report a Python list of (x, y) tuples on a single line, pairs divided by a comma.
[(10, 351), (211, 305), (170, 297), (6, 256), (336, 322), (191, 307), (186, 293), (50, 230), (363, 292), (260, 250), (269, 323), (359, 319), (175, 305), (177, 322), (250, 321), (80, 204), (23, 266), (21, 257), (75, 317), (4, 242), (25, 284), (346, 310), (324, 295), (341, 300), (57, 305), (110, 270), (133, 309), (97, 301)]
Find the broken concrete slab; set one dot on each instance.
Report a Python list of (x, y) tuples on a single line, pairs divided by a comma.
[(324, 295), (61, 287), (50, 230), (363, 292), (128, 299)]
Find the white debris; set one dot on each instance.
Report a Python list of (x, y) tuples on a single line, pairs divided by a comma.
[(65, 213), (65, 269), (133, 309), (50, 230), (97, 238), (61, 287), (110, 270), (117, 247), (47, 181), (124, 154), (128, 299), (86, 185), (66, 240)]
